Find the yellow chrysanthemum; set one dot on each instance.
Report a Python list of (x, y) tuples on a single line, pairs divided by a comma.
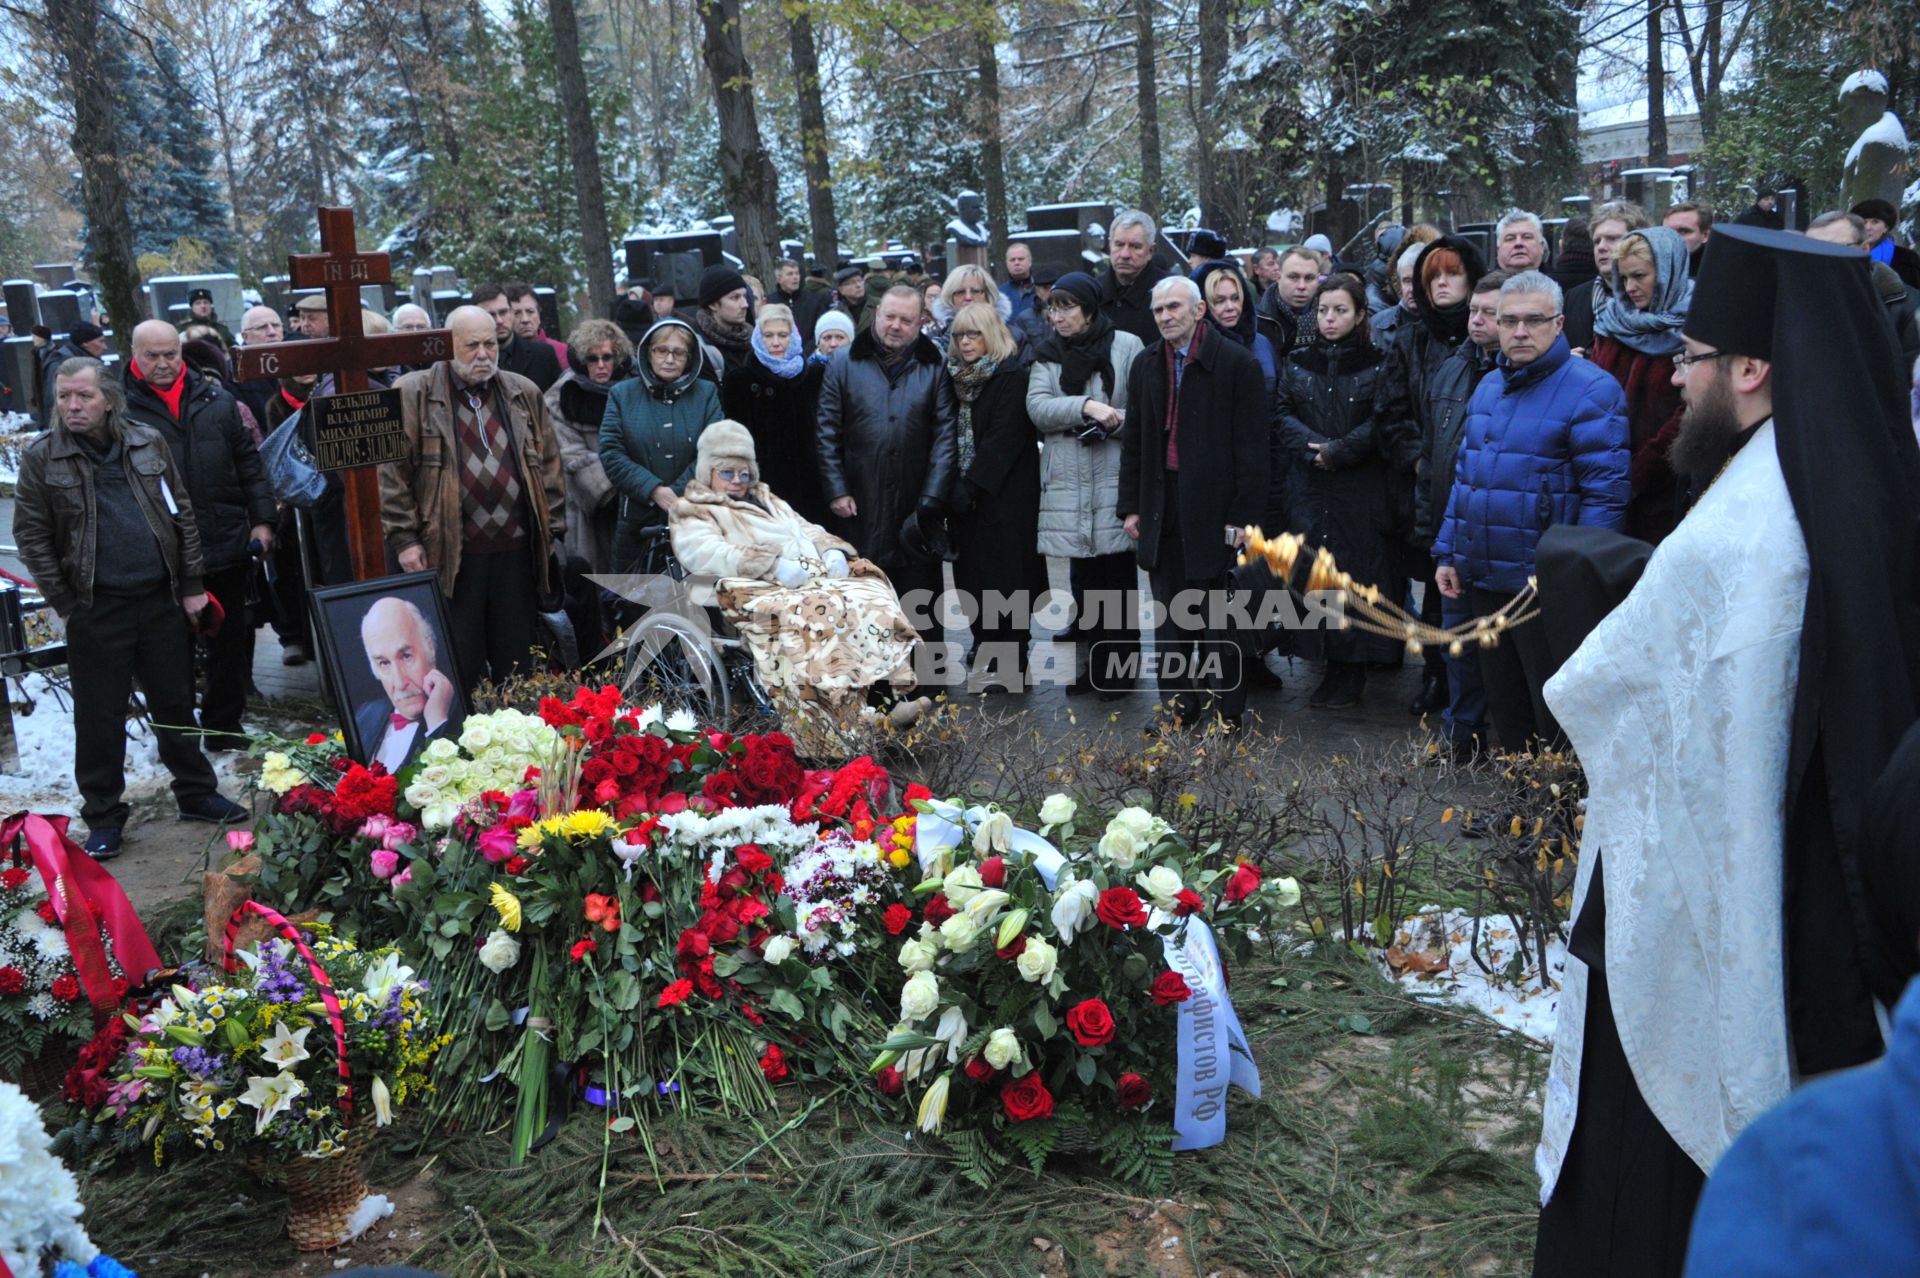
[(587, 823), (530, 836), (509, 907)]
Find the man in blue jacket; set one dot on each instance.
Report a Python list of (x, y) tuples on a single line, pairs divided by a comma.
[(1545, 444)]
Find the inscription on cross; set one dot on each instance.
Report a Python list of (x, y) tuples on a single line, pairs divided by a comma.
[(340, 269)]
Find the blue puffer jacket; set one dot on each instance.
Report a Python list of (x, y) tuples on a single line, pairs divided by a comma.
[(1544, 445)]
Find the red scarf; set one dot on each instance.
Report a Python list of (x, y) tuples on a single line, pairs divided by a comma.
[(172, 395)]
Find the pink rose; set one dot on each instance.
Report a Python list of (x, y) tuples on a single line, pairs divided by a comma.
[(526, 803), (385, 863), (240, 840), (375, 826), (499, 843), (405, 876), (398, 835)]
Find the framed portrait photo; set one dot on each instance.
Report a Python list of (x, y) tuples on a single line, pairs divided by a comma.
[(388, 652)]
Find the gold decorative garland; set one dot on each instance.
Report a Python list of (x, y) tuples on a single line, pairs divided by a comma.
[(1365, 608)]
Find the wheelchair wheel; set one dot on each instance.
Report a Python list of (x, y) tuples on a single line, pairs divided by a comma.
[(669, 659)]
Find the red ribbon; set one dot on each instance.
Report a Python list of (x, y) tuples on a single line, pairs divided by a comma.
[(86, 899), (320, 978)]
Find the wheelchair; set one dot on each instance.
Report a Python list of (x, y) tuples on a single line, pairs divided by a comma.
[(677, 647)]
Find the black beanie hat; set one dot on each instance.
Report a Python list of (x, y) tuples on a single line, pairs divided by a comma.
[(718, 281), (83, 332), (1082, 288)]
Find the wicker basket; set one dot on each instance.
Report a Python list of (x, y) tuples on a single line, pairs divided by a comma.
[(1074, 1140), (322, 1194), (41, 1076)]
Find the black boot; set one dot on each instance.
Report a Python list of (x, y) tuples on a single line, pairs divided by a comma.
[(1432, 696)]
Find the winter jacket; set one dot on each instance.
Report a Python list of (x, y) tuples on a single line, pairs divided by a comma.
[(218, 457), (420, 494), (1545, 444), (888, 439), (1654, 410), (54, 517), (1387, 324), (648, 438), (532, 359), (1079, 483), (1130, 306), (1448, 392), (1580, 304), (719, 536), (1223, 444), (1404, 412), (576, 405), (779, 413), (1019, 297), (1030, 327), (995, 527), (1285, 327)]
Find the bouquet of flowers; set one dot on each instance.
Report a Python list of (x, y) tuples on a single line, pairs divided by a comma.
[(40, 1201), (1036, 996), (42, 1004)]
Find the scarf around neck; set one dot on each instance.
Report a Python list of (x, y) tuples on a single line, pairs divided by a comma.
[(1656, 330), (968, 381), (787, 366), (720, 332), (1083, 356)]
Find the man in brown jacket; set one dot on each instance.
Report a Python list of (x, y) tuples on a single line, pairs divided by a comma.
[(106, 529), (479, 497)]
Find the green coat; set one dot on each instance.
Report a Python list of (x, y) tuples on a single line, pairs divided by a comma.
[(645, 441)]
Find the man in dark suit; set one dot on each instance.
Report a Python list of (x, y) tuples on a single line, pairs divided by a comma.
[(530, 357), (1193, 475), (421, 701)]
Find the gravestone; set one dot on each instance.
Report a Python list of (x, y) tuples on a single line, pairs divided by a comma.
[(1642, 187), (169, 291), (1337, 221), (1081, 217), (679, 258), (23, 303), (1876, 164), (444, 302), (549, 305), (60, 310), (20, 369), (376, 298), (53, 274), (273, 292), (1481, 234), (1576, 205), (1060, 249)]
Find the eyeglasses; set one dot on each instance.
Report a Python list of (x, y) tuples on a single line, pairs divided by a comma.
[(959, 333), (1511, 322), (608, 358), (734, 476), (668, 352), (1683, 361), (259, 328)]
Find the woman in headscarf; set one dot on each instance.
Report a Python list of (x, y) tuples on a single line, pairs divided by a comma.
[(994, 519), (649, 435), (1326, 409), (822, 625), (769, 395), (1230, 310), (598, 356), (1636, 335), (1077, 398)]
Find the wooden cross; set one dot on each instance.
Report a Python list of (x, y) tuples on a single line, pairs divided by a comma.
[(340, 269)]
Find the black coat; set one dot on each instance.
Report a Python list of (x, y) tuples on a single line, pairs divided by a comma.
[(1403, 413), (779, 413), (1130, 306), (888, 439), (1326, 397), (1283, 327), (1223, 446), (1578, 304), (996, 525), (533, 359), (226, 478), (1452, 386)]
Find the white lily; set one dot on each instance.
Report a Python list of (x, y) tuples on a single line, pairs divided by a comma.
[(382, 1102), (384, 975), (952, 1028), (994, 835), (933, 1106), (984, 903), (271, 1094), (286, 1049)]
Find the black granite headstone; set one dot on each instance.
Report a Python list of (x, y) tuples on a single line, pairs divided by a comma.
[(20, 369), (60, 310), (23, 304), (53, 274), (549, 306)]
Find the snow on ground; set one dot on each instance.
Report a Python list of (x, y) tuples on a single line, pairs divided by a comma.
[(1432, 935), (44, 781)]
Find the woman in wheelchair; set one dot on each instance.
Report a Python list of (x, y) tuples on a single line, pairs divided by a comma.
[(823, 627)]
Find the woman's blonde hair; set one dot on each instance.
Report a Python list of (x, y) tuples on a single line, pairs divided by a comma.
[(373, 323), (775, 311), (962, 274), (982, 318), (1635, 245), (588, 334)]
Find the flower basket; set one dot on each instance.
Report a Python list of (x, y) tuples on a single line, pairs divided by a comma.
[(40, 1075), (324, 1193)]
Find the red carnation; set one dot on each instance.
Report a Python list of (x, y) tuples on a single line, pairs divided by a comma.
[(1027, 1098), (888, 1082), (1170, 987), (939, 909), (1134, 1091), (516, 865), (897, 918), (1091, 1023), (675, 994), (1244, 883), (12, 980), (1187, 901), (750, 909), (582, 947), (774, 1064), (1121, 907), (978, 1069), (993, 872), (752, 859), (45, 911), (915, 791), (11, 879), (316, 738), (66, 989)]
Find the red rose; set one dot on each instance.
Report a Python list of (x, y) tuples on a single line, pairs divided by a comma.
[(516, 865), (594, 771), (888, 1082), (752, 859), (13, 878), (12, 980), (649, 893), (720, 926), (675, 994), (624, 763), (774, 1064), (1134, 1091), (599, 731), (993, 872), (582, 948), (1170, 987), (897, 918), (939, 909), (1091, 1023), (694, 944), (978, 1069), (1027, 1098), (1187, 901), (66, 989), (672, 804), (607, 792), (1244, 883), (1011, 952), (1121, 907)]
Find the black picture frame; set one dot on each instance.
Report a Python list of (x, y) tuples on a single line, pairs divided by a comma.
[(360, 699)]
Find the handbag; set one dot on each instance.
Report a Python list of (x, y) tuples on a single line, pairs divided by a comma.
[(291, 470)]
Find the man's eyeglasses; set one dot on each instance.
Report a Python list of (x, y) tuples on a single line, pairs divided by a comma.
[(1683, 361), (608, 358), (259, 328), (1512, 322)]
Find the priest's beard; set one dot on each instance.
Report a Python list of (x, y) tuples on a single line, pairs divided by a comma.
[(1706, 434)]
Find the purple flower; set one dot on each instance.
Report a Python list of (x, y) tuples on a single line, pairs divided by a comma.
[(199, 1062)]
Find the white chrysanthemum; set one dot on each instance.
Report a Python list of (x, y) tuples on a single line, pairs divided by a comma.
[(39, 1198), (29, 923), (51, 945), (41, 1006)]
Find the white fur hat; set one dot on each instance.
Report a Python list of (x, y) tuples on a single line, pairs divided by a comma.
[(724, 440)]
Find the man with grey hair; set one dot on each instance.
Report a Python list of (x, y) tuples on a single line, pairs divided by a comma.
[(1520, 240), (1132, 270), (409, 318), (417, 701), (1193, 476), (1545, 443), (1836, 227), (106, 528)]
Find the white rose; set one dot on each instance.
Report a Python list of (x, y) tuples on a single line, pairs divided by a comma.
[(959, 933), (500, 951), (1057, 810), (1162, 884), (961, 885), (918, 956), (1286, 892), (1072, 907), (477, 736), (919, 996), (778, 950), (437, 775), (1036, 962), (1003, 1048), (1135, 821), (423, 796), (994, 835), (1119, 847)]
